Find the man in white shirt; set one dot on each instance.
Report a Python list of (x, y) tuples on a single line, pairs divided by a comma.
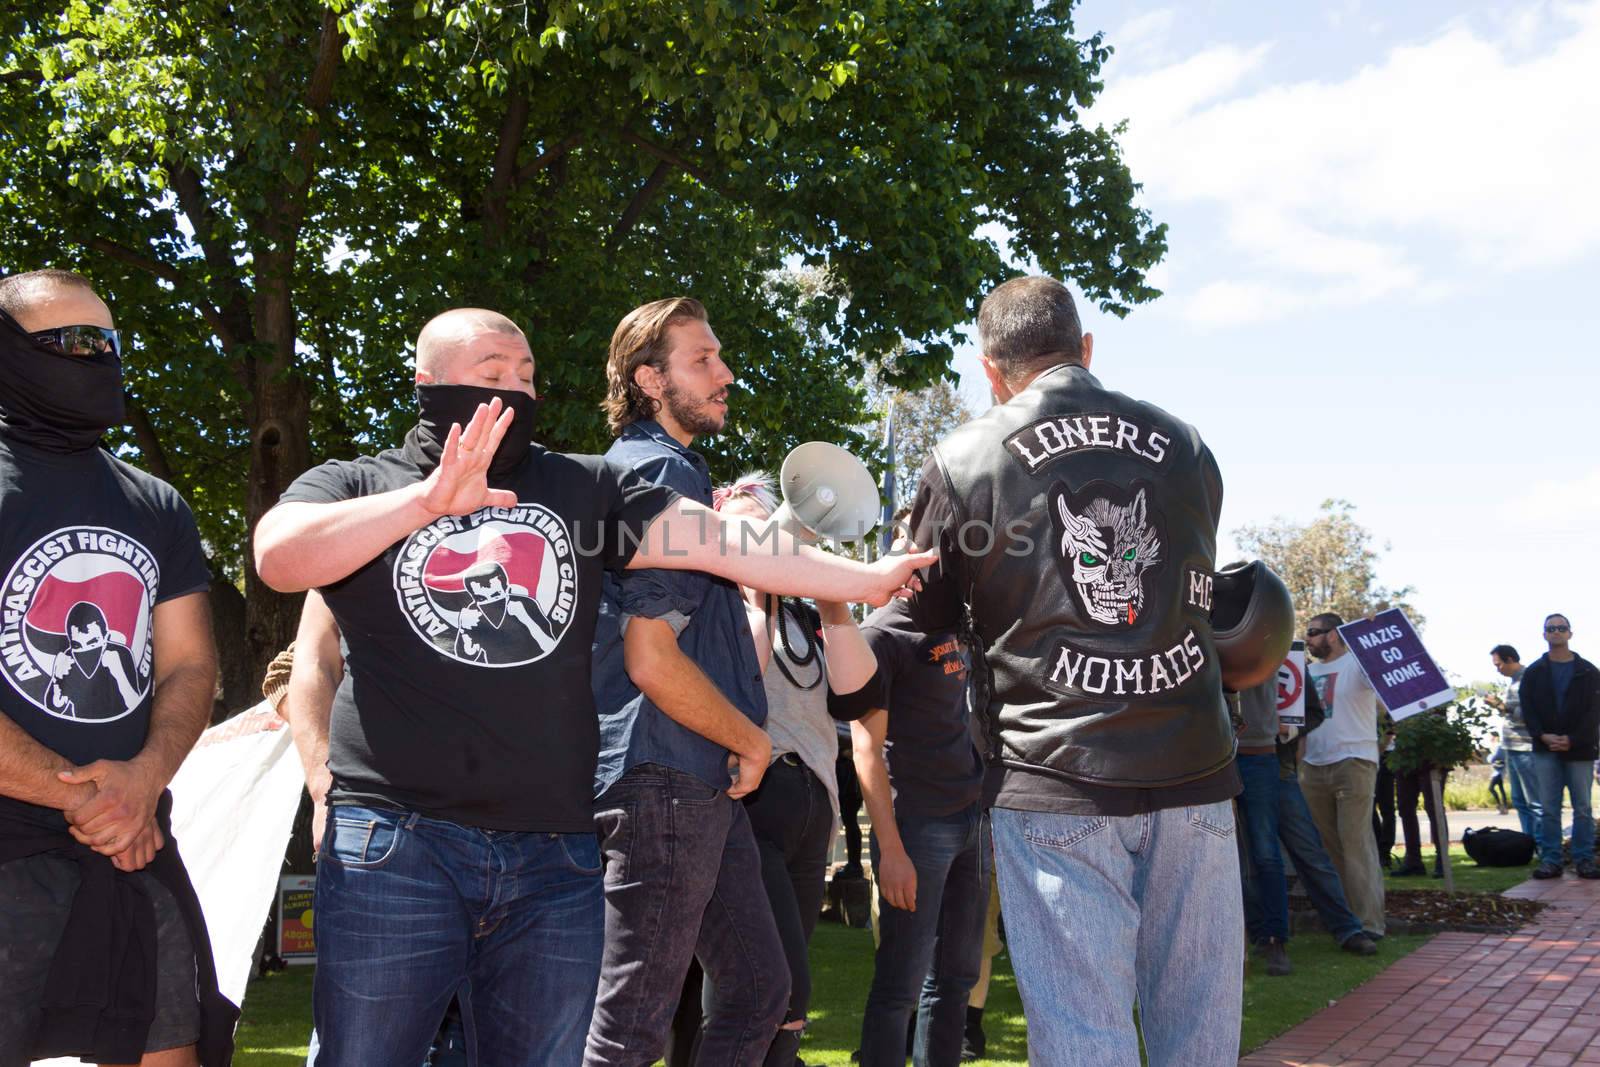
[(1340, 769)]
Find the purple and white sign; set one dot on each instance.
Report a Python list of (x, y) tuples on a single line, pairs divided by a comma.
[(1392, 657)]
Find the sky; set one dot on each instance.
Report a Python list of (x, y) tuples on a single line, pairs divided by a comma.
[(1382, 284)]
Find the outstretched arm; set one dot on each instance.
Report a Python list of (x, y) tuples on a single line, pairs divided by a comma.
[(690, 536), (300, 545)]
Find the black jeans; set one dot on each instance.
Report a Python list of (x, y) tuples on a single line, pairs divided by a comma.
[(1383, 812), (1411, 784), (850, 802), (682, 881), (927, 960), (792, 816)]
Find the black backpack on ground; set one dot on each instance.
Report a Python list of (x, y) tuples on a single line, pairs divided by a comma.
[(1498, 848)]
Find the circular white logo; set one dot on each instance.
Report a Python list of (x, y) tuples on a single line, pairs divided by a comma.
[(495, 588), (75, 631)]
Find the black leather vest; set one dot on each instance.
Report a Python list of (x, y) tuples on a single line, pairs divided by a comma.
[(1087, 529)]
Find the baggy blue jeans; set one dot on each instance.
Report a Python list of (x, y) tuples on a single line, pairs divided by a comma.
[(411, 911), (1103, 911)]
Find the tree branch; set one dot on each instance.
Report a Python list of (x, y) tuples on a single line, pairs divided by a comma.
[(548, 156), (144, 431), (180, 282), (504, 175), (641, 199), (667, 155)]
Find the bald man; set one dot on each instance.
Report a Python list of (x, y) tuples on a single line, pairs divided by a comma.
[(464, 571)]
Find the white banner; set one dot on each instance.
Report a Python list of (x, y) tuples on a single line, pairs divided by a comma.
[(233, 805)]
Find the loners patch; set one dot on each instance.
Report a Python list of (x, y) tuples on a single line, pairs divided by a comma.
[(1091, 675), (1041, 443)]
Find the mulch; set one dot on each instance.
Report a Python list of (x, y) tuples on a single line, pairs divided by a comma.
[(1433, 910)]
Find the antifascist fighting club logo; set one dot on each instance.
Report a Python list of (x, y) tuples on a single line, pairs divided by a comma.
[(1109, 541), (75, 623), (495, 588)]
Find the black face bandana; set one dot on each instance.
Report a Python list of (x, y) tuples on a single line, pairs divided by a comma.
[(444, 405), (52, 401)]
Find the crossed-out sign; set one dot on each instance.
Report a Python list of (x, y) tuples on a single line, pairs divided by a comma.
[(1292, 686)]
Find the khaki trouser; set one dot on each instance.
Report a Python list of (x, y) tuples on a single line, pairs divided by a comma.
[(1340, 797)]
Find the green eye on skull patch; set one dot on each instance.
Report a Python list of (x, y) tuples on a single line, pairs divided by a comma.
[(1089, 560), (1128, 555)]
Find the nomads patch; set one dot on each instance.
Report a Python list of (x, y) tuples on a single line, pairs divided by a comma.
[(1088, 674), (1109, 545), (495, 588)]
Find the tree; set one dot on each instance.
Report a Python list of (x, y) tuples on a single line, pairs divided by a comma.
[(1328, 564), (922, 418), (277, 196)]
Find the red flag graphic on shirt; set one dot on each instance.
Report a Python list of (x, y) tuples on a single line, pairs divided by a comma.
[(521, 554), (119, 595)]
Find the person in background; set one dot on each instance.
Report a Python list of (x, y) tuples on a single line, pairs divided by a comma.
[(810, 683), (1516, 741), (1339, 771), (1497, 780), (1561, 706)]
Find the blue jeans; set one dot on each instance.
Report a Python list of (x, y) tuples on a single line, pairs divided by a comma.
[(928, 959), (1525, 792), (1576, 778), (1259, 806), (1312, 864), (411, 911), (682, 882), (1102, 911)]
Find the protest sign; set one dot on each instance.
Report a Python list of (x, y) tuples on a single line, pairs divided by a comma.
[(1292, 686), (1392, 657)]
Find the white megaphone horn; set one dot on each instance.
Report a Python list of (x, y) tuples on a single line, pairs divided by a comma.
[(827, 492)]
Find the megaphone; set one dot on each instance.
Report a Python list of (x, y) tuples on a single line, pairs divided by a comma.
[(827, 492)]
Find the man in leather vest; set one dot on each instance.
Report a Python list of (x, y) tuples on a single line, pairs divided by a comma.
[(1077, 530)]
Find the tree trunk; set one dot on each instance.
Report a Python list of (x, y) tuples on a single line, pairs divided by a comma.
[(228, 627), (280, 449), (1435, 775)]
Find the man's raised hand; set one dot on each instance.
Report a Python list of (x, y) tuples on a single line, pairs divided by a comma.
[(460, 484)]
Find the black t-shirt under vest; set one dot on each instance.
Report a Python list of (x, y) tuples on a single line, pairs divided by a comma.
[(88, 547), (466, 693)]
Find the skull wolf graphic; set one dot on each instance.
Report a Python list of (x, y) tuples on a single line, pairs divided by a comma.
[(1107, 547)]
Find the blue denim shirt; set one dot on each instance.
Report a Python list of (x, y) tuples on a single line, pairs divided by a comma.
[(706, 612)]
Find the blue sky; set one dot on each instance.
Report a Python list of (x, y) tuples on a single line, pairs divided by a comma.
[(1383, 284)]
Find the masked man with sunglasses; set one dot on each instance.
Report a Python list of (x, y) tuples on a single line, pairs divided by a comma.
[(107, 672)]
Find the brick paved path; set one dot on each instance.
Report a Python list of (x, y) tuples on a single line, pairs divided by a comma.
[(1532, 997)]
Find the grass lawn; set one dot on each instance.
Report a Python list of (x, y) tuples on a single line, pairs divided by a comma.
[(1468, 875), (277, 1010)]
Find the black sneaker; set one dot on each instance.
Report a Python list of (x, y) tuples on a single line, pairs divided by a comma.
[(1359, 944), (974, 1043), (1409, 868), (1588, 870), (1277, 958), (1547, 870)]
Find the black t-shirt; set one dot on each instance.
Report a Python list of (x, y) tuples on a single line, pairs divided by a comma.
[(466, 693), (934, 767), (88, 547)]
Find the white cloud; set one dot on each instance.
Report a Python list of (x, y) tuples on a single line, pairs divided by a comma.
[(1470, 152)]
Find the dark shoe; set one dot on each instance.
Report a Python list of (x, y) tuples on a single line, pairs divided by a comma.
[(1588, 870), (973, 1042), (1438, 872), (1409, 868), (1547, 870), (1277, 957), (1360, 945), (851, 871)]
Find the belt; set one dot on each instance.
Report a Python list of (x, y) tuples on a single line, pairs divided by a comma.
[(1258, 750)]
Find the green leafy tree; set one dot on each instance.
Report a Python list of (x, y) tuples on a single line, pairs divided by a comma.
[(1329, 564), (275, 197)]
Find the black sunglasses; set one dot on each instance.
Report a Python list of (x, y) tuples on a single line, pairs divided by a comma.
[(1557, 629), (82, 340), (1318, 633)]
